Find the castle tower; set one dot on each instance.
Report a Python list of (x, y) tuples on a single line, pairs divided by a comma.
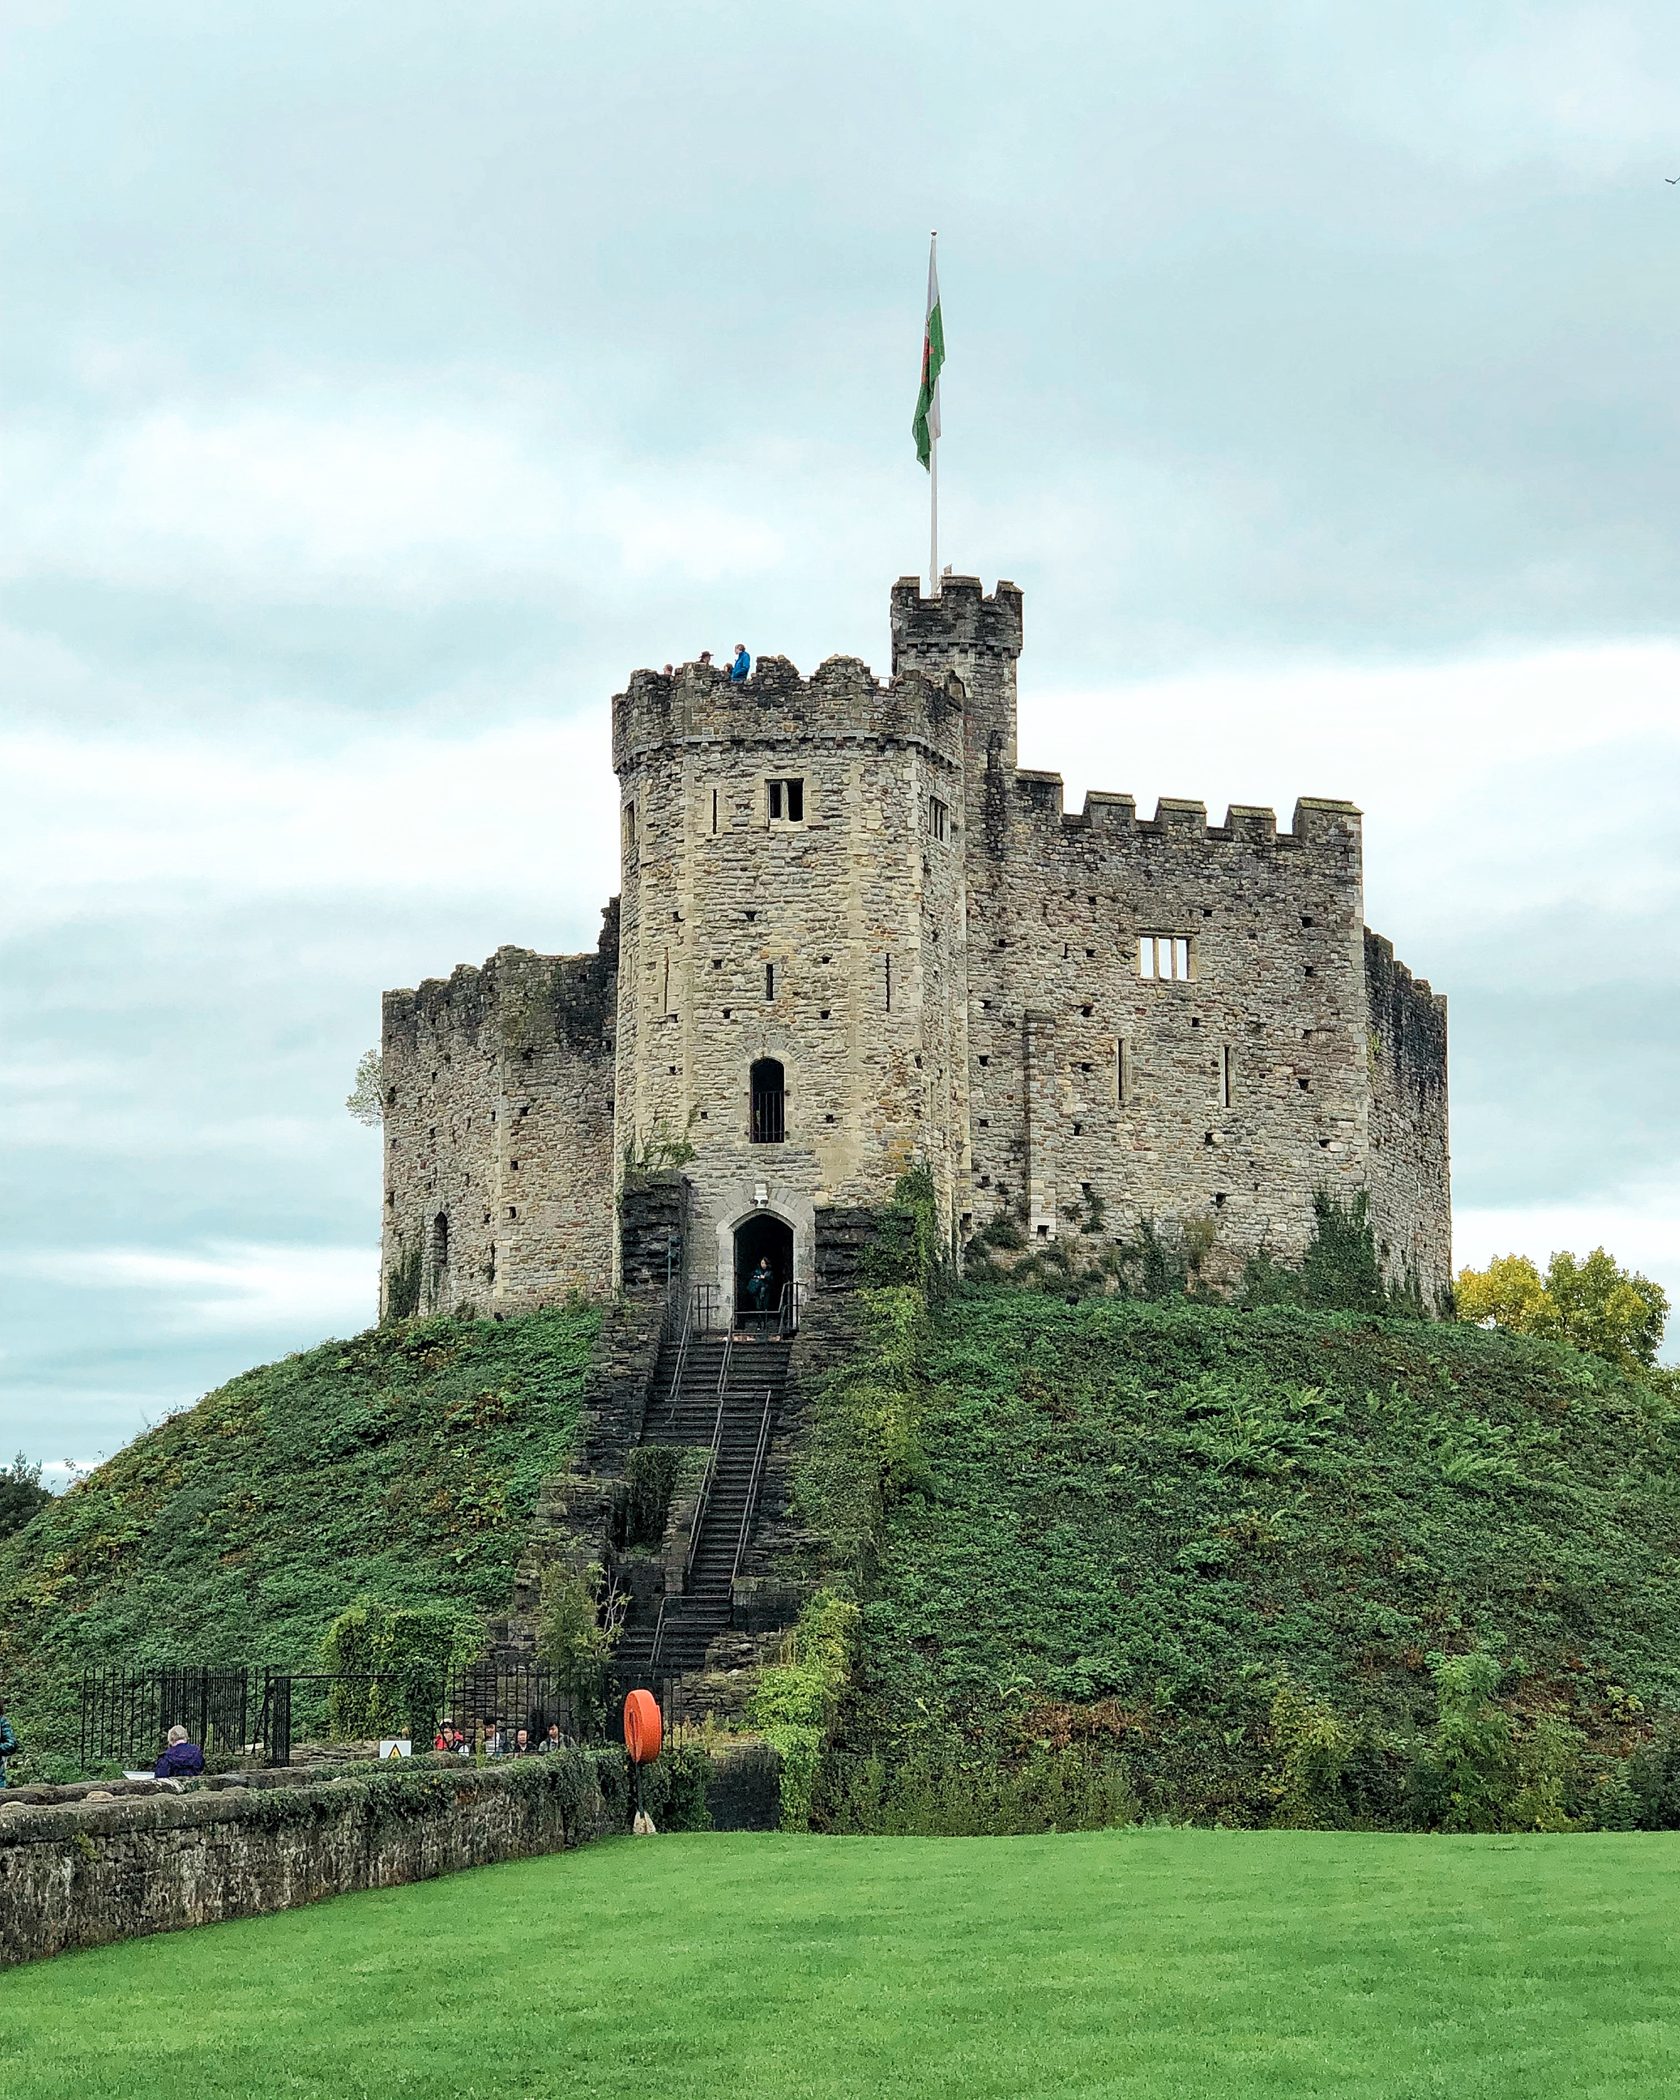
[(855, 936), (792, 994)]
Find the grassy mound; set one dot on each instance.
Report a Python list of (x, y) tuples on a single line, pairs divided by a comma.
[(403, 1464), (1133, 1524), (1138, 1963)]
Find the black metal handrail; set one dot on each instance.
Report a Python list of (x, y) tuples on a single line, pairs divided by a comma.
[(700, 1504), (759, 1456), (703, 1499), (788, 1309)]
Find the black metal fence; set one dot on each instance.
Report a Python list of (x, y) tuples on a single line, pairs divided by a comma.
[(258, 1716)]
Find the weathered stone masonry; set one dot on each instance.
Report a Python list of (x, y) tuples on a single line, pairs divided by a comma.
[(852, 881)]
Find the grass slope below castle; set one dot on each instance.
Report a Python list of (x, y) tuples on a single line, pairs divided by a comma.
[(1130, 1524), (403, 1464)]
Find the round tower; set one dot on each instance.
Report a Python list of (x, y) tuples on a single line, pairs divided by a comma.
[(792, 992)]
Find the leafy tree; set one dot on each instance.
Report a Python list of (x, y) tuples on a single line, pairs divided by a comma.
[(21, 1494), (575, 1635), (1466, 1770), (1592, 1304), (366, 1099)]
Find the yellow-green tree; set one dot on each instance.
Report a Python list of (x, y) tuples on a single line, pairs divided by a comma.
[(1593, 1304)]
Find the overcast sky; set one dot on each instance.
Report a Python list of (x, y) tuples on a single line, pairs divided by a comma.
[(381, 385)]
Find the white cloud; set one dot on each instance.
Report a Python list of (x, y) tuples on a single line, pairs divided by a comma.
[(118, 825), (396, 501), (306, 1291)]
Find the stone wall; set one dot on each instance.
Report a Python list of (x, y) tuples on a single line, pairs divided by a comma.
[(498, 1132), (87, 1871), (1229, 1093), (830, 941), (1410, 1177), (84, 1866)]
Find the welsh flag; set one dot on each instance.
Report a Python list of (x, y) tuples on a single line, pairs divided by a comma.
[(926, 425)]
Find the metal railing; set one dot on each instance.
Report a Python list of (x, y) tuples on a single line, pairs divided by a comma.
[(753, 1483), (257, 1716), (789, 1309)]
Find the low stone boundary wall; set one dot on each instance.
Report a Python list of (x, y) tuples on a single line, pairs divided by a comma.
[(81, 1866), (82, 1872)]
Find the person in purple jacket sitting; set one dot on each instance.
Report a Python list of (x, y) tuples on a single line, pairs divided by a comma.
[(181, 1759)]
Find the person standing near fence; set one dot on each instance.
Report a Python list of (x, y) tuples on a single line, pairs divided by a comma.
[(9, 1744)]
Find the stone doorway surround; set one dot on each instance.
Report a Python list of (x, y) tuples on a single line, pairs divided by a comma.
[(733, 1206)]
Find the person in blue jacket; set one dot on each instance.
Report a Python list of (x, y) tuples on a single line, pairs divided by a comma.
[(741, 666), (181, 1759), (9, 1744)]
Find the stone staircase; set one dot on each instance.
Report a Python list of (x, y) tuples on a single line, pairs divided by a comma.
[(724, 1394)]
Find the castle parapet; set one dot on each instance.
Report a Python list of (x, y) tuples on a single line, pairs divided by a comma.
[(962, 620), (841, 700)]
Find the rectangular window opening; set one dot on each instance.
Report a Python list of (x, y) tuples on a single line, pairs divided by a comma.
[(1165, 956), (787, 801), (939, 817), (1225, 1071), (889, 984), (1122, 1072), (629, 827), (714, 812), (769, 980)]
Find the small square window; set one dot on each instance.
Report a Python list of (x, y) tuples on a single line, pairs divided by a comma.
[(787, 801)]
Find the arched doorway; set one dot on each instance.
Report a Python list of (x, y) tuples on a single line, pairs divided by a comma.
[(768, 1239)]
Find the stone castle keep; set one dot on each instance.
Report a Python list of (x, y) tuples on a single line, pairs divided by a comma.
[(852, 935)]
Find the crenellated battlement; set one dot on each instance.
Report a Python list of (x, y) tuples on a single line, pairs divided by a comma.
[(841, 701), (961, 620), (1038, 811)]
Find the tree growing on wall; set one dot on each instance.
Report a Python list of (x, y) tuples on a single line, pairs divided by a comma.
[(1593, 1304), (366, 1099)]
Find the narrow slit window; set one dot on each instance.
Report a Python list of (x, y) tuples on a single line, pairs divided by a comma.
[(1225, 1075), (889, 984), (629, 827), (769, 980), (787, 801), (1165, 956), (767, 1088), (1122, 1072), (714, 812)]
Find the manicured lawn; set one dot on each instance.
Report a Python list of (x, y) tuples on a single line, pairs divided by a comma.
[(1195, 1964)]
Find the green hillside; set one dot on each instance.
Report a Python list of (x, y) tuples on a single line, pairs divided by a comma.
[(1130, 1524), (403, 1463)]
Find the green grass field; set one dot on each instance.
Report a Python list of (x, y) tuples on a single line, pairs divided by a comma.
[(1196, 1964)]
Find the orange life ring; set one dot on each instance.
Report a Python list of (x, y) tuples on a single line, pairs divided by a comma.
[(644, 1727)]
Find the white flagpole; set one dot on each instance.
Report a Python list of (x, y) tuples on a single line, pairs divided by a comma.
[(933, 434)]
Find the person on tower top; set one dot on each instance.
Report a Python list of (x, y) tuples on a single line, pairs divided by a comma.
[(741, 666)]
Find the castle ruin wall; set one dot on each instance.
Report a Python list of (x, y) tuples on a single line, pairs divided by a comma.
[(1410, 1164), (498, 1132)]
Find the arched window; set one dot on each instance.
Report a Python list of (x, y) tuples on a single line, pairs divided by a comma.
[(768, 1124)]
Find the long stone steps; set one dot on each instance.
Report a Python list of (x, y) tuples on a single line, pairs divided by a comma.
[(689, 1415)]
